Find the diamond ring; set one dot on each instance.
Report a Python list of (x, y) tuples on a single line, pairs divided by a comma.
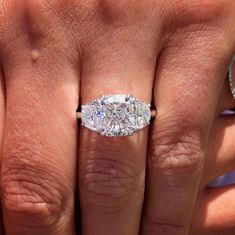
[(116, 115), (231, 75)]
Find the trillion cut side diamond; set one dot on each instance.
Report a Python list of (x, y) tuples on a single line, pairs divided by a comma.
[(116, 115)]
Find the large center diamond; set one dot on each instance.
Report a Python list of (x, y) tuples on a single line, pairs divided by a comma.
[(116, 115)]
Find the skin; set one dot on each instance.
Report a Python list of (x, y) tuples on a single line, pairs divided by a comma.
[(56, 55)]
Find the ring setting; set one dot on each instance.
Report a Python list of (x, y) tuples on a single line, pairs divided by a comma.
[(231, 75), (116, 115)]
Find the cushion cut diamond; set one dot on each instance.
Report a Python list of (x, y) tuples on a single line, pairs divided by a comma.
[(116, 115)]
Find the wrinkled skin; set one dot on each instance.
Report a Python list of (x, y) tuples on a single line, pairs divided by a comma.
[(58, 54)]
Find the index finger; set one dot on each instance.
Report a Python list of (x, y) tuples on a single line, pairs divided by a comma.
[(188, 83)]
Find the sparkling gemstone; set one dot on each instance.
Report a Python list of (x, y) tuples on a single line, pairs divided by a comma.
[(116, 115)]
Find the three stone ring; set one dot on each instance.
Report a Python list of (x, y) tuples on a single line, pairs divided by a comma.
[(122, 115), (116, 115)]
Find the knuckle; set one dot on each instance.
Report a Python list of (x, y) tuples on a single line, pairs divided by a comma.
[(175, 154), (199, 20), (108, 180), (38, 26), (175, 146), (32, 195), (113, 10), (19, 21), (24, 199)]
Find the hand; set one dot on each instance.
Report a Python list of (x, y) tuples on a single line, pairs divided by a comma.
[(57, 54)]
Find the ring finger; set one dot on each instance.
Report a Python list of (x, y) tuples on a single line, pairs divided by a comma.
[(112, 170)]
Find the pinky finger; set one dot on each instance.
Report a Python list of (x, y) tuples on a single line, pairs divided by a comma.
[(221, 150)]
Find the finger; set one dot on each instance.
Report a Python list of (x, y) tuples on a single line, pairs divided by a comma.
[(39, 150), (220, 149), (179, 136), (112, 170), (214, 212)]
